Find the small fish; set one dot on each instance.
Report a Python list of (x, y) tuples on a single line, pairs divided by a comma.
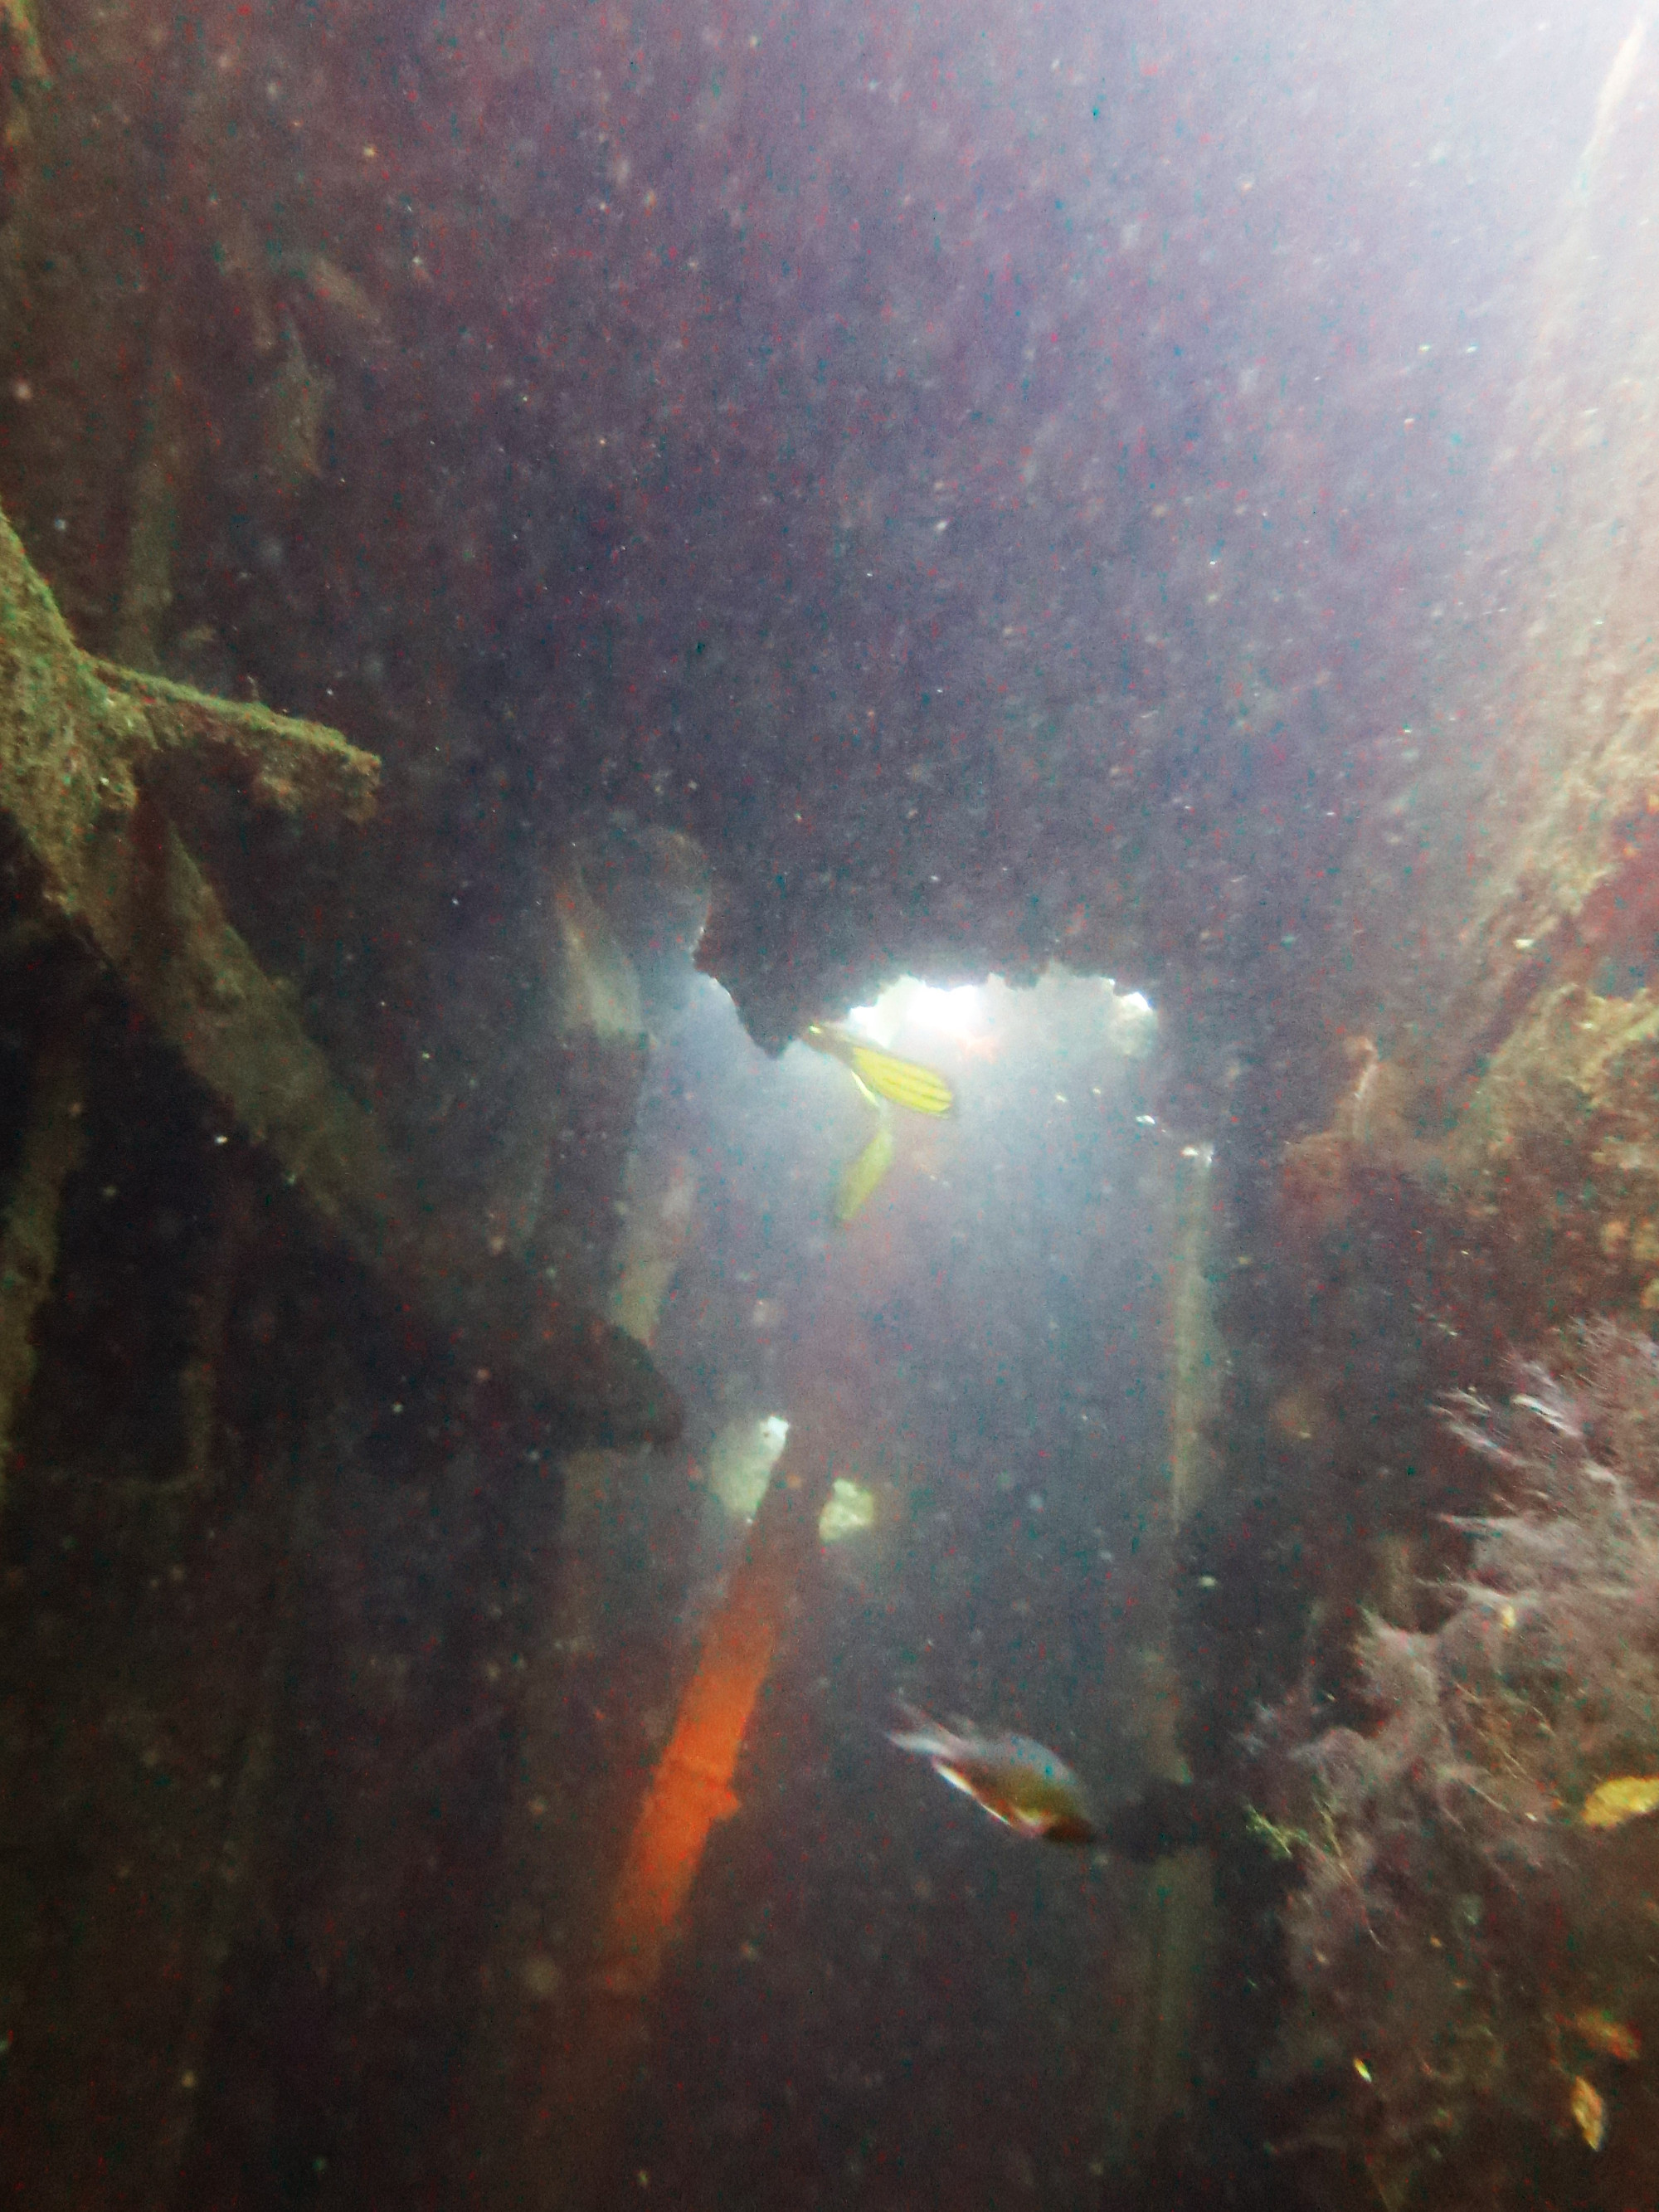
[(1626, 1797), (1021, 1783), (882, 1074), (1603, 2031), (1589, 2110)]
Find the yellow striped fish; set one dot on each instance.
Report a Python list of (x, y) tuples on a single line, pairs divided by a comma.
[(880, 1075), (860, 1181)]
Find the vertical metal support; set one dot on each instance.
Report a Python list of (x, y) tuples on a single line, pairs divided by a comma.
[(1173, 1914), (28, 1246), (1196, 1367)]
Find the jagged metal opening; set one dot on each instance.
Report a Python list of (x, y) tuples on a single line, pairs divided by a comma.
[(955, 1337)]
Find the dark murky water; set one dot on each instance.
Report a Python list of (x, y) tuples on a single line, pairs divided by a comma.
[(509, 1378)]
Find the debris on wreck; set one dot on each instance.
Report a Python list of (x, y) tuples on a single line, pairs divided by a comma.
[(1470, 1945), (1367, 1129), (1553, 1155)]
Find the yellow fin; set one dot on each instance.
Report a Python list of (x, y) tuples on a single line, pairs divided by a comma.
[(1624, 1798), (1589, 2111), (860, 1181), (1602, 2032), (905, 1082)]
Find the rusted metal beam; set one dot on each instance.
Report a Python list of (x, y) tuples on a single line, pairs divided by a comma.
[(75, 737)]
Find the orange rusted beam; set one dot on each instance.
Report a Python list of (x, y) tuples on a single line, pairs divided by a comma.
[(569, 2150), (692, 1788)]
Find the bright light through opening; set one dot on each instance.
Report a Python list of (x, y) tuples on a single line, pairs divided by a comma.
[(966, 1012), (958, 1013)]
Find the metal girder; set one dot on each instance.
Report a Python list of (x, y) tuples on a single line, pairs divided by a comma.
[(77, 735)]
